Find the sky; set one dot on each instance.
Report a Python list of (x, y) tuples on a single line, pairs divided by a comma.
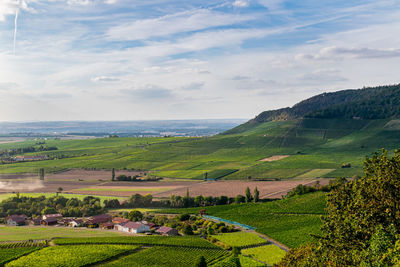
[(178, 59)]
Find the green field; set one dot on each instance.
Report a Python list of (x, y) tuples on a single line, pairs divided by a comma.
[(118, 251), (240, 239), (13, 233), (128, 189), (289, 221), (317, 148), (269, 254)]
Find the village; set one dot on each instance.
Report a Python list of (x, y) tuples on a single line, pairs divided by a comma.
[(103, 222)]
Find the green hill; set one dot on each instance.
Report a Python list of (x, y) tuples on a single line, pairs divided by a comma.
[(318, 144)]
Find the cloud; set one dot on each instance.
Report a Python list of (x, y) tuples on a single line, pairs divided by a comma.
[(241, 3), (272, 4), (182, 22), (322, 76), (335, 52), (148, 92), (193, 86), (105, 79), (10, 7)]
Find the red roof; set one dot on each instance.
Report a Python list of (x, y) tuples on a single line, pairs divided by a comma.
[(17, 218), (119, 220), (131, 225), (164, 229)]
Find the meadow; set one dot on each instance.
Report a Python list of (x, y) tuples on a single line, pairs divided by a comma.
[(289, 221), (316, 148)]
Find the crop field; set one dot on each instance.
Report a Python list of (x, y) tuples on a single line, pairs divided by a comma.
[(165, 256), (120, 251), (9, 254), (289, 221), (15, 233), (71, 255), (244, 262), (316, 147), (269, 254), (240, 239)]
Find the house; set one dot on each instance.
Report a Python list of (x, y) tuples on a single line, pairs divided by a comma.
[(99, 219), (119, 220), (64, 222), (16, 220), (149, 224), (35, 221), (76, 223), (50, 221), (164, 230), (132, 227), (54, 216), (107, 226)]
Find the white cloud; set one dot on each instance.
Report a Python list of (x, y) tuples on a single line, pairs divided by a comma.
[(10, 7), (105, 79), (172, 24), (241, 3)]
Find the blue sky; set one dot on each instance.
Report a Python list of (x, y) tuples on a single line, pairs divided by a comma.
[(159, 59)]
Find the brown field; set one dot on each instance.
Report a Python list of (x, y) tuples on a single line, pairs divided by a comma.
[(274, 158), (268, 189), (98, 183)]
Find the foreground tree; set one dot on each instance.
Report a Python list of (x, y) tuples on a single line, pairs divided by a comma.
[(362, 221), (248, 195)]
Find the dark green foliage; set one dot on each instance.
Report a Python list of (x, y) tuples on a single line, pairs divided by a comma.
[(248, 196), (36, 206), (201, 262), (113, 174), (184, 217), (363, 219), (135, 215), (256, 195)]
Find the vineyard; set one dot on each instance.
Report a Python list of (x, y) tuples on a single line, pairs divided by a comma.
[(269, 254), (240, 239), (9, 254), (24, 244)]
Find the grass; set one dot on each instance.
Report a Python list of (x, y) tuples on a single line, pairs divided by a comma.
[(269, 254), (289, 221), (14, 233), (9, 254), (240, 239), (71, 255), (315, 146), (165, 256)]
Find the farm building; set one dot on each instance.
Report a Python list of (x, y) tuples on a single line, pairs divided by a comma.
[(164, 230), (119, 220), (149, 224), (49, 221), (107, 226), (35, 221), (132, 227), (53, 216), (98, 219), (75, 223), (16, 220)]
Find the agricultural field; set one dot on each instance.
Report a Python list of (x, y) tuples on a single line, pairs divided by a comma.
[(71, 255), (10, 233), (240, 239), (120, 251), (269, 254), (289, 221), (309, 147), (9, 254)]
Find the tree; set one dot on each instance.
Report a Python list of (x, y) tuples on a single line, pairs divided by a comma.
[(49, 210), (187, 229), (113, 174), (201, 262), (362, 220), (248, 195), (135, 215), (256, 195), (41, 173)]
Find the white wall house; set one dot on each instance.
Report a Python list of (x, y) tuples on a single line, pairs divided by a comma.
[(132, 227)]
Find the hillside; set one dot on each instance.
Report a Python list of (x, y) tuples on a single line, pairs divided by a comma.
[(316, 145)]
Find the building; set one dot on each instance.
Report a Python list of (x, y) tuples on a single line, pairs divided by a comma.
[(76, 223), (119, 220), (35, 221), (57, 216), (50, 221), (132, 227), (99, 219), (164, 230), (16, 220), (107, 226), (149, 224)]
